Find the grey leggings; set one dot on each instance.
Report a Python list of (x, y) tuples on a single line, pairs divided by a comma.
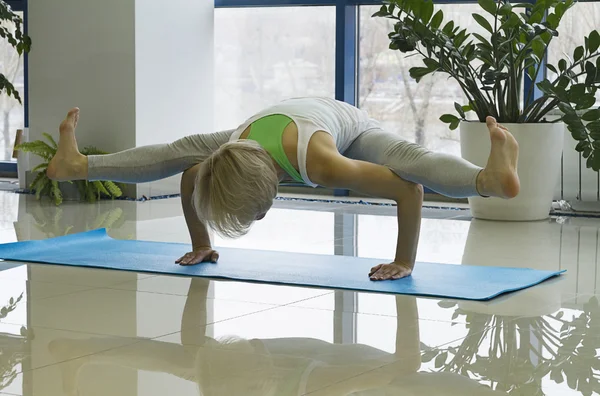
[(445, 174)]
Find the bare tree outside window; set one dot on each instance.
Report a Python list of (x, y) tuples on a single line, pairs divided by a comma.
[(389, 94), (11, 112)]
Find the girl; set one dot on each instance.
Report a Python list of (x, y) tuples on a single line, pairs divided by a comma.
[(230, 178)]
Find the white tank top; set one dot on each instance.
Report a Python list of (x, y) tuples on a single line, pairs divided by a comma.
[(342, 121)]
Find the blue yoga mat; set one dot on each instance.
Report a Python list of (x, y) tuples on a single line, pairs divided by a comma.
[(95, 249)]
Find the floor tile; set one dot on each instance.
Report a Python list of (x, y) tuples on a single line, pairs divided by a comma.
[(66, 275), (225, 290), (126, 313), (29, 348)]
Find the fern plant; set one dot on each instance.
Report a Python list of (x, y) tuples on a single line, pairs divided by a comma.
[(43, 186)]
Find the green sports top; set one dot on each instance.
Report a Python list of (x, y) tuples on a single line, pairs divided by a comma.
[(268, 132)]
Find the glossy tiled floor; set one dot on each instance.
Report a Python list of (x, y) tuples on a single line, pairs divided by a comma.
[(73, 331)]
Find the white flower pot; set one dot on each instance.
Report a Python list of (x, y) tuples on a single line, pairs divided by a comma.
[(540, 151)]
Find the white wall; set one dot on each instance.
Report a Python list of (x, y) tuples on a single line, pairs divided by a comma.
[(140, 70), (174, 69), (82, 55)]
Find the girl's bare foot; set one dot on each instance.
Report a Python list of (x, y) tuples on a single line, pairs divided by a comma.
[(500, 178), (68, 163)]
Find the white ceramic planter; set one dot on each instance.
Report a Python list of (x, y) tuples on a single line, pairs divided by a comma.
[(540, 151)]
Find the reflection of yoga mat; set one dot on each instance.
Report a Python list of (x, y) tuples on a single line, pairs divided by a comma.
[(95, 249)]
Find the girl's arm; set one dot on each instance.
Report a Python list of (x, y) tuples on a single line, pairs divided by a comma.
[(330, 169), (201, 245)]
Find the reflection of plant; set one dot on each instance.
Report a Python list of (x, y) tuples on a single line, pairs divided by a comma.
[(13, 348), (43, 186), (51, 221), (12, 305), (522, 351), (579, 340)]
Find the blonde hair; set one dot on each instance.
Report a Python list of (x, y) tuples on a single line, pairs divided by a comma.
[(234, 185)]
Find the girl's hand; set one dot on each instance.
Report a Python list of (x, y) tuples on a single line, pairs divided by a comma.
[(395, 270), (199, 255)]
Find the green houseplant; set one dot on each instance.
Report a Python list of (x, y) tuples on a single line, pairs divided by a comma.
[(11, 29), (509, 41), (43, 186)]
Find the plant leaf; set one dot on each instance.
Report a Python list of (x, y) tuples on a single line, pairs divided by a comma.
[(448, 28), (428, 356), (488, 5), (113, 188), (40, 167), (585, 102), (100, 188), (440, 360), (566, 108), (51, 140), (579, 148), (483, 22), (505, 10), (539, 47), (437, 19), (578, 53), (426, 11), (459, 109), (447, 303), (591, 115), (562, 65), (594, 41), (591, 71), (55, 193), (431, 64), (449, 118), (546, 87), (419, 72), (596, 161)]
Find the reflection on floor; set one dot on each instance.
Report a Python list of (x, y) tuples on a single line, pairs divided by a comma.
[(73, 331)]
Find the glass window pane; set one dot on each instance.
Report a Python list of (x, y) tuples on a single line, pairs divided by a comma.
[(576, 24), (11, 112), (265, 55), (389, 94)]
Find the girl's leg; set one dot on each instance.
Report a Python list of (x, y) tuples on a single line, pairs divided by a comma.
[(137, 165), (445, 174)]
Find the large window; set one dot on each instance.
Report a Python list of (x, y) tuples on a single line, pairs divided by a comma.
[(11, 111), (265, 55)]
